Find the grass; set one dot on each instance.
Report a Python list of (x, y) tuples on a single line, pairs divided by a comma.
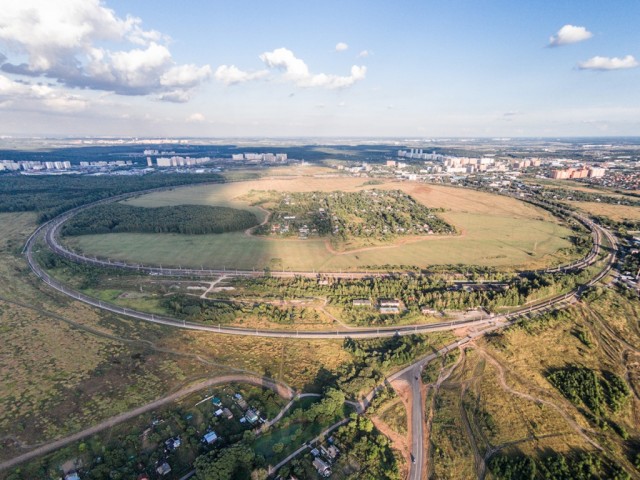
[(495, 231), (68, 366), (506, 418), (452, 457), (292, 432), (618, 213), (395, 416)]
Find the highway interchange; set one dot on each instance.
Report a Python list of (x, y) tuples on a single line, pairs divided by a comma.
[(411, 374)]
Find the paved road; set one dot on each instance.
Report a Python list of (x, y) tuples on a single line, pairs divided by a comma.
[(55, 224), (482, 326), (280, 388), (49, 230)]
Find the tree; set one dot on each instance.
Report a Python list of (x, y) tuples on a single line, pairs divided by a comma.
[(232, 463)]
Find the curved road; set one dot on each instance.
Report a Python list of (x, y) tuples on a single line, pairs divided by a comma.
[(280, 388), (411, 373), (51, 228)]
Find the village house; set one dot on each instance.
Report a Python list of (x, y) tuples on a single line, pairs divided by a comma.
[(163, 469), (389, 305), (210, 437), (251, 416), (322, 467), (361, 302)]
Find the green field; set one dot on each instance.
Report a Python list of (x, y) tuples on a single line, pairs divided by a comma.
[(495, 231)]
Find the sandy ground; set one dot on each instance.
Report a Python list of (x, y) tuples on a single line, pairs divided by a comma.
[(400, 443)]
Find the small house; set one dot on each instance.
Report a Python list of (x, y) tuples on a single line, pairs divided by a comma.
[(218, 412), (251, 416), (361, 302), (216, 401), (227, 413), (390, 302), (389, 310), (163, 469), (72, 476), (173, 443), (210, 437), (331, 452), (322, 467)]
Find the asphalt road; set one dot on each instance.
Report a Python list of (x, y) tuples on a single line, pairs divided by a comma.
[(49, 229), (410, 373)]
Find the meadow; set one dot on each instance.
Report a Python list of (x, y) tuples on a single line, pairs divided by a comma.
[(494, 231), (69, 366), (617, 213)]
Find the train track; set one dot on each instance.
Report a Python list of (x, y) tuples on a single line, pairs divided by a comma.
[(50, 231)]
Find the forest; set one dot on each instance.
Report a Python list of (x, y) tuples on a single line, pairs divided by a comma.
[(572, 466), (52, 195), (417, 291), (186, 219)]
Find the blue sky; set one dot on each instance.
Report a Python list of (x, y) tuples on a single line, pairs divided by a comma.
[(254, 68)]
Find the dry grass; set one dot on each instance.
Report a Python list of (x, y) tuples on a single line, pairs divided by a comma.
[(494, 230), (67, 366), (511, 406), (618, 213)]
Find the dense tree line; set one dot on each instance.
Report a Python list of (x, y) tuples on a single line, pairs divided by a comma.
[(582, 385), (373, 357), (51, 195), (417, 291), (186, 219), (232, 463), (219, 312), (574, 466), (371, 450)]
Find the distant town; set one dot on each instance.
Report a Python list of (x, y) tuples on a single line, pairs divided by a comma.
[(444, 161)]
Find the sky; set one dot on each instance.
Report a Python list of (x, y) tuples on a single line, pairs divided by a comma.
[(370, 68)]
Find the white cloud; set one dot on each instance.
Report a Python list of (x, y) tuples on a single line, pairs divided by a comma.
[(609, 63), (196, 118), (569, 34), (39, 95), (185, 76), (297, 72), (364, 54), (232, 75), (341, 47), (64, 40)]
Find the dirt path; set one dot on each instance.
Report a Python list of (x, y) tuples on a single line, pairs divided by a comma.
[(249, 231), (403, 390), (212, 286), (503, 383), (398, 442), (280, 389)]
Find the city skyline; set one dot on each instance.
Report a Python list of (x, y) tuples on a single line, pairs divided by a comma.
[(369, 69)]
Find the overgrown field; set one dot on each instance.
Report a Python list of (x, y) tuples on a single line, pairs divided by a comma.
[(68, 366), (617, 213), (494, 230), (556, 393)]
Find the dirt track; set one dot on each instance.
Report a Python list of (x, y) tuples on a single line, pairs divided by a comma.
[(280, 389)]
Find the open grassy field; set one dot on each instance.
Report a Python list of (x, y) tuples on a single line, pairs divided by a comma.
[(494, 230), (499, 399), (618, 213), (67, 366)]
